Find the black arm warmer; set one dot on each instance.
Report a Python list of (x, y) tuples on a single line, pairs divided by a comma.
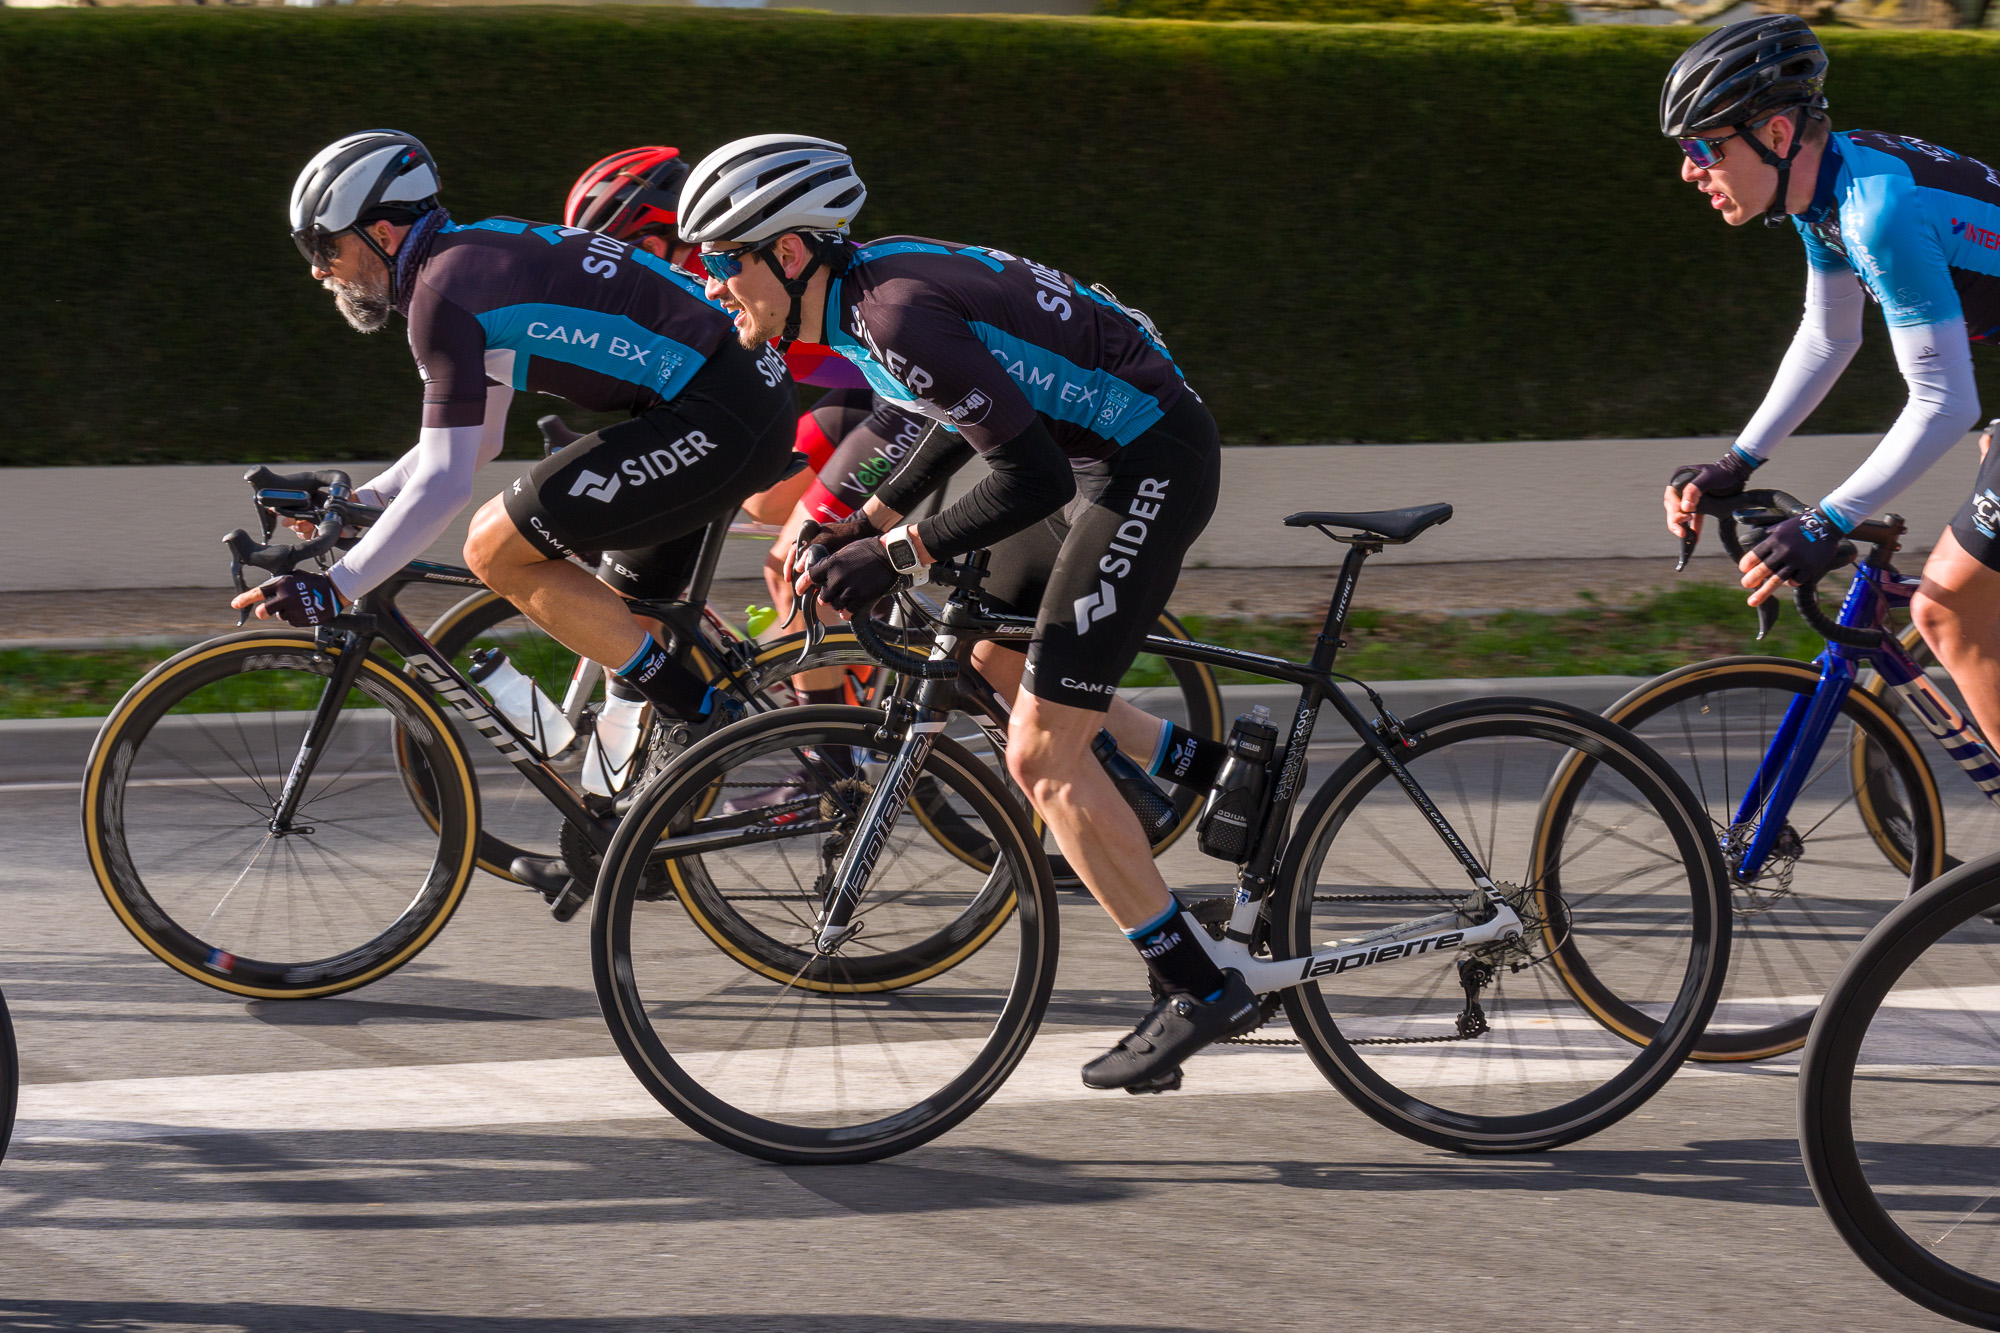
[(939, 454), (1031, 479)]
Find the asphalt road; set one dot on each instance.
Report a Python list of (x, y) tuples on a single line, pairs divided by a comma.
[(456, 1147)]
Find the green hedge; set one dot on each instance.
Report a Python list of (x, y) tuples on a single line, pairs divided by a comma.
[(1346, 233), (1340, 11)]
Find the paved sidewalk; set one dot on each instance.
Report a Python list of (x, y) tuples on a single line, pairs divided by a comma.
[(1527, 501)]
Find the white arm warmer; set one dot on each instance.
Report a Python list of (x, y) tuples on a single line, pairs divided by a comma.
[(430, 485), (1827, 339), (1936, 361)]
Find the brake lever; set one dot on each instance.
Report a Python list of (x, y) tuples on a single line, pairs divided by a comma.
[(815, 631), (1690, 534)]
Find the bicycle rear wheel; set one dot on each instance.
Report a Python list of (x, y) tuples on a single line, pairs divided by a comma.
[(1168, 687), (728, 1015), (1899, 1098), (1971, 819), (1849, 852), (1488, 1050), (178, 797)]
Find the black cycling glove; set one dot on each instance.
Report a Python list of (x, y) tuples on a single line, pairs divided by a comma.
[(1801, 549), (305, 600), (1726, 476), (829, 537), (855, 577)]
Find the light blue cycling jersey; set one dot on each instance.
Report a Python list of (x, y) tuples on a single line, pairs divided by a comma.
[(1917, 229)]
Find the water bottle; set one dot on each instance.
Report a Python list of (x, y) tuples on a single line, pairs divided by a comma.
[(1229, 814), (607, 764), (521, 702), (757, 619), (1155, 809)]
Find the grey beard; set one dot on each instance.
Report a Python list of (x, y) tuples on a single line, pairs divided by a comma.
[(365, 307)]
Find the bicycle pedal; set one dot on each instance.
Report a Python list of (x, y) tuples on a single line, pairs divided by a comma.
[(1167, 1082), (574, 895)]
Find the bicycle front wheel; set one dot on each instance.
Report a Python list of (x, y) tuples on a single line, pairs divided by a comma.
[(725, 1011), (1865, 825), (179, 795), (10, 1078), (1488, 1050), (1899, 1098)]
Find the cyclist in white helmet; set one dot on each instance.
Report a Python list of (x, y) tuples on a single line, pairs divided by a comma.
[(1101, 457)]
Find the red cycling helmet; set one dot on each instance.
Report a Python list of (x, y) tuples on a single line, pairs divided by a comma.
[(628, 193)]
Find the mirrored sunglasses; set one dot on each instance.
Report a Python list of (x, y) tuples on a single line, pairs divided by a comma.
[(722, 265), (1704, 153)]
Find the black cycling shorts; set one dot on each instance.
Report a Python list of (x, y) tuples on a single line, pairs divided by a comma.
[(1097, 575), (642, 491), (1977, 525), (872, 436)]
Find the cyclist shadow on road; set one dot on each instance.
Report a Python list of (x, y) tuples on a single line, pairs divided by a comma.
[(260, 1317)]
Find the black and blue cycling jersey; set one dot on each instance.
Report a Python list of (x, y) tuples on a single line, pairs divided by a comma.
[(981, 340), (555, 310)]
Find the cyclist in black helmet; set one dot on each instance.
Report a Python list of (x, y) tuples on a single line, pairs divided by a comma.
[(1909, 225)]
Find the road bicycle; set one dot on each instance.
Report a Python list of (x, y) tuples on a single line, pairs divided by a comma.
[(1899, 1097), (1826, 809), (884, 984), (289, 814)]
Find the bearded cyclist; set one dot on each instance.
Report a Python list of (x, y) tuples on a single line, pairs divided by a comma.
[(1091, 435), (505, 305), (1913, 227)]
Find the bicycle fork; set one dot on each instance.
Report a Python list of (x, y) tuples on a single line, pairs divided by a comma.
[(885, 806)]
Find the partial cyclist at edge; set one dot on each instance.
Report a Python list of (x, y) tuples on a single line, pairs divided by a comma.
[(1907, 224), (1104, 464), (506, 305), (851, 438)]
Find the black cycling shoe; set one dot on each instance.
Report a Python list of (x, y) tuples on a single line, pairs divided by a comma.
[(1149, 1058), (549, 875)]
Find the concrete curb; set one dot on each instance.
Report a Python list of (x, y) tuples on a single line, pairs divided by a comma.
[(41, 751)]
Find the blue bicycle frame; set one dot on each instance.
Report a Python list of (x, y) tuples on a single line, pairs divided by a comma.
[(1876, 590)]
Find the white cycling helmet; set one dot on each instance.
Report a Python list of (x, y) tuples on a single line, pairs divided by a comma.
[(768, 184), (374, 174)]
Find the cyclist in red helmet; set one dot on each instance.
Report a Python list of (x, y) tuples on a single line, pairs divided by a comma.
[(852, 439)]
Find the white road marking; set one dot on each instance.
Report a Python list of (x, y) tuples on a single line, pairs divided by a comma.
[(577, 1090)]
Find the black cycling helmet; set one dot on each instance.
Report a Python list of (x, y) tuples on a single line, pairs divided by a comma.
[(1745, 73)]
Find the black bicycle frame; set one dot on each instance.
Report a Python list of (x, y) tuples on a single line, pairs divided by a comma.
[(375, 617)]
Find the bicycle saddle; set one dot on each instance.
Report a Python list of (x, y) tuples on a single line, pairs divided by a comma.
[(1391, 525)]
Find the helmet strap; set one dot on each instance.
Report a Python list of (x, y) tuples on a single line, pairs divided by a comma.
[(794, 288), (388, 260), (1779, 213)]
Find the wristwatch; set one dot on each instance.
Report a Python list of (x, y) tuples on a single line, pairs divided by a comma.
[(902, 549)]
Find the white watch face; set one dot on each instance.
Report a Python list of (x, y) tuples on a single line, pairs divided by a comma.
[(902, 553)]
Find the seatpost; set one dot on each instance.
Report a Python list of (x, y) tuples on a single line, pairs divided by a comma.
[(706, 560), (1328, 646)]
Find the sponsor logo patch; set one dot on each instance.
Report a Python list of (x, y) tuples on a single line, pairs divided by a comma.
[(597, 488)]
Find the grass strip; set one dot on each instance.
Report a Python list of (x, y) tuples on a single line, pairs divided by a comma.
[(1643, 638)]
